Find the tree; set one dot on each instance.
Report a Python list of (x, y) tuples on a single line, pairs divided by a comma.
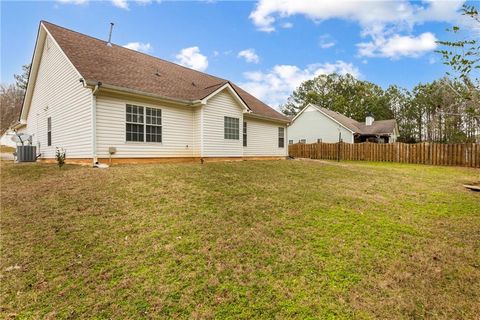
[(21, 80), (463, 56), (11, 98), (341, 93)]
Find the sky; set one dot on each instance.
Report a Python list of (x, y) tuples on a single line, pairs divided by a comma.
[(268, 47)]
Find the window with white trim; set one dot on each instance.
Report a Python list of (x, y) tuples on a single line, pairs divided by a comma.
[(231, 128), (244, 134), (49, 131), (281, 137), (143, 124)]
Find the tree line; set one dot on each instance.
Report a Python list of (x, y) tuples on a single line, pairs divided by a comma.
[(445, 110), (11, 99)]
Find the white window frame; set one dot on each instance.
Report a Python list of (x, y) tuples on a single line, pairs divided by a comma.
[(144, 124), (244, 134), (231, 135), (49, 131), (281, 137)]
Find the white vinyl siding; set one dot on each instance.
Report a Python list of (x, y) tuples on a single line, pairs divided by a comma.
[(312, 125), (262, 138), (177, 131), (58, 94), (197, 131), (214, 143)]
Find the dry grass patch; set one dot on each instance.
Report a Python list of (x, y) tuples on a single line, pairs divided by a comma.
[(274, 239)]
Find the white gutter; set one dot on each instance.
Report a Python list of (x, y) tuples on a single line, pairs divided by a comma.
[(257, 116), (117, 89)]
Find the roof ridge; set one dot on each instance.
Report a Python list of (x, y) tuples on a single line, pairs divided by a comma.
[(135, 51), (176, 82)]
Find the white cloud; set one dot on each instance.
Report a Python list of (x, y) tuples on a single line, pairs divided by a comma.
[(397, 46), (192, 58), (287, 25), (383, 21), (367, 13), (122, 4), (326, 41), (275, 85), (139, 46), (73, 1), (249, 55)]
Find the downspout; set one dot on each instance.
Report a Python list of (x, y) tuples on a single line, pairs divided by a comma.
[(94, 124)]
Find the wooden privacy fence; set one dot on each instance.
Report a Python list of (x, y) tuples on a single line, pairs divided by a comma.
[(460, 154)]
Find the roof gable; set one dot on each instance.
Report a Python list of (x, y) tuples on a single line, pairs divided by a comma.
[(377, 127), (120, 67)]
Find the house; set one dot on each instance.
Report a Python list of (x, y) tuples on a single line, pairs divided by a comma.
[(6, 139), (99, 100), (317, 124)]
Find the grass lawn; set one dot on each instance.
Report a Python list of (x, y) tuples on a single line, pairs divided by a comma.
[(273, 239), (6, 149)]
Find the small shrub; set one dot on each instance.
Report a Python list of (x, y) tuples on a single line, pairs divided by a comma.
[(60, 155)]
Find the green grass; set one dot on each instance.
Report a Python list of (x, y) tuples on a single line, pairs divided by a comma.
[(6, 149), (273, 239)]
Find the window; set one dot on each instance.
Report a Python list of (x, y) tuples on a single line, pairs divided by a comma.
[(302, 141), (154, 125), (231, 128), (143, 124), (244, 134), (281, 137), (290, 141), (49, 131), (135, 125)]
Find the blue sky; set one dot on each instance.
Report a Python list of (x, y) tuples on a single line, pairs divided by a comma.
[(268, 47)]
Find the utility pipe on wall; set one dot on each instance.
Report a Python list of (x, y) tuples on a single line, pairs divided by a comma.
[(94, 123)]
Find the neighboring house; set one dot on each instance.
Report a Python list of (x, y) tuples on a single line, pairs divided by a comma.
[(6, 139), (94, 98), (317, 124)]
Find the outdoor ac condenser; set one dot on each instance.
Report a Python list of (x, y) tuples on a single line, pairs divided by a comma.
[(26, 153)]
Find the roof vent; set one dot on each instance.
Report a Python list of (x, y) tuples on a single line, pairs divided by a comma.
[(193, 84), (157, 73), (109, 43)]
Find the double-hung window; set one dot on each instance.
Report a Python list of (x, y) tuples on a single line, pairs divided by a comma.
[(154, 125), (231, 128), (281, 137), (244, 134), (143, 124)]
